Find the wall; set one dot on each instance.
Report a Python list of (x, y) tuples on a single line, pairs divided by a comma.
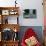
[(27, 4), (44, 20), (33, 4), (6, 3)]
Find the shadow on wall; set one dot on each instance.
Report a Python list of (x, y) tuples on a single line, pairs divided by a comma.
[(37, 29)]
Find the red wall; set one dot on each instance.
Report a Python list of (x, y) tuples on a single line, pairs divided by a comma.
[(44, 20)]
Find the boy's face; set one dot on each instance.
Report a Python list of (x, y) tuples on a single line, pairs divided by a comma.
[(31, 41)]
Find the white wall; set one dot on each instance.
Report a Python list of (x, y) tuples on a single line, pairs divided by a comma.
[(6, 3), (33, 4), (30, 4)]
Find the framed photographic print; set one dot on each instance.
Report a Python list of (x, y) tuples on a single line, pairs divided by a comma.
[(29, 13), (7, 34), (13, 12), (5, 12), (12, 20)]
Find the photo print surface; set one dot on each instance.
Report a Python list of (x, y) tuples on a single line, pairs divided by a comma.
[(30, 13)]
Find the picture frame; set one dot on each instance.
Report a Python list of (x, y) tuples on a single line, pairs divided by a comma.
[(10, 19), (30, 13), (5, 12), (7, 34), (13, 20), (13, 12)]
